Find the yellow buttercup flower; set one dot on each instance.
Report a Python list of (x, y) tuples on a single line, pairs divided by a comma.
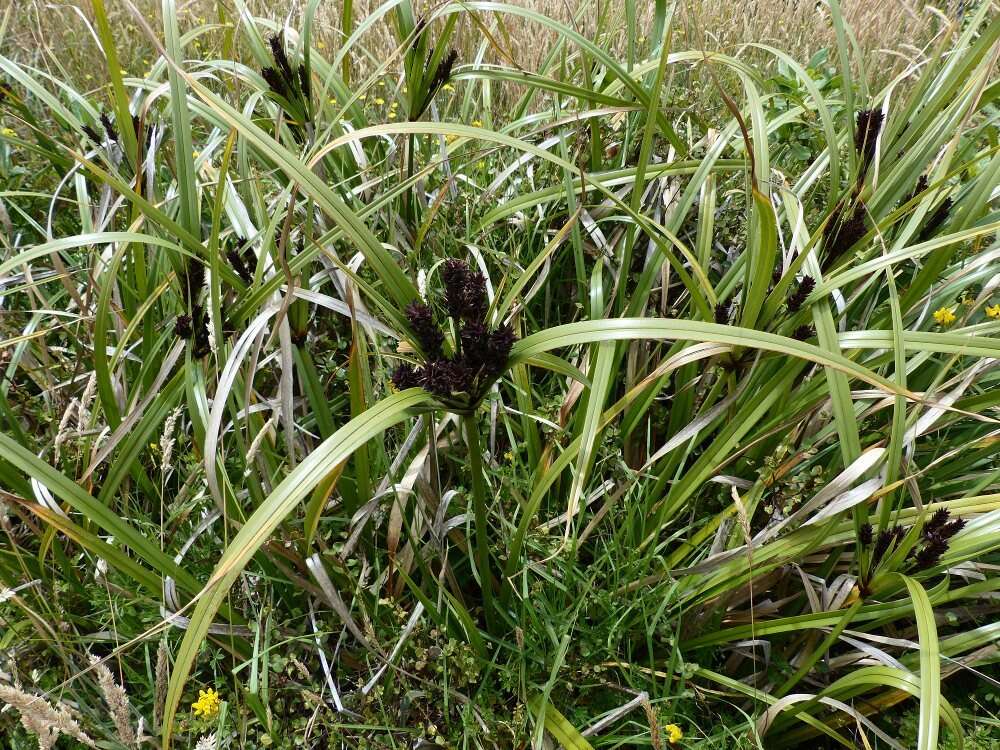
[(7, 132), (994, 311), (477, 123), (207, 704), (446, 87), (674, 733), (379, 100), (944, 316)]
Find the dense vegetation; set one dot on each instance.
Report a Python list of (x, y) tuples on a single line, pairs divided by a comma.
[(405, 396)]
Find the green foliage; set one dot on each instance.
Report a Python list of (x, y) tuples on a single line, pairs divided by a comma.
[(737, 475)]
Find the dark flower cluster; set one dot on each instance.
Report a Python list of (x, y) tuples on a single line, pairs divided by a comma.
[(290, 84), (939, 217), (887, 539), (194, 324), (798, 297), (460, 379), (440, 76), (920, 187), (866, 135), (722, 313), (803, 333), (242, 259), (934, 539), (143, 132), (843, 231), (464, 291)]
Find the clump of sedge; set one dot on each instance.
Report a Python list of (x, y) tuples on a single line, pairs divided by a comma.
[(460, 380)]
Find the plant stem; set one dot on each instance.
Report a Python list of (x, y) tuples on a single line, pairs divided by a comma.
[(479, 508)]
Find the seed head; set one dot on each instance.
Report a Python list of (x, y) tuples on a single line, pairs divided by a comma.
[(803, 333), (804, 289), (865, 534), (406, 376), (866, 133), (428, 335), (464, 291)]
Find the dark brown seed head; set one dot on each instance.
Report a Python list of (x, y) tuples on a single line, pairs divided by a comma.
[(803, 333), (866, 133), (843, 231), (406, 376), (865, 535), (109, 127), (722, 313), (280, 58), (803, 291), (464, 291), (939, 217), (275, 81), (447, 377), (428, 335), (182, 326)]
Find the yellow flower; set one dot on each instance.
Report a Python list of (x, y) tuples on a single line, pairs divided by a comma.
[(477, 123), (994, 311), (944, 316), (320, 45), (363, 97), (446, 87), (674, 733), (392, 115), (207, 704), (379, 100), (509, 456), (7, 132)]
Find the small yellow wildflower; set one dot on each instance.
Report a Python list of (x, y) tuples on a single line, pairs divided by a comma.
[(363, 97), (451, 138), (320, 45), (207, 704), (446, 87), (195, 154), (477, 123), (993, 311), (379, 100), (509, 456), (674, 733), (381, 83), (944, 316), (8, 132), (393, 105), (391, 115)]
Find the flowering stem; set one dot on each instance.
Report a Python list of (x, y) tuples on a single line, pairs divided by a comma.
[(479, 508)]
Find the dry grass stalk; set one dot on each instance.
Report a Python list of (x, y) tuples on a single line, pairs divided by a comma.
[(117, 700), (162, 678), (42, 719), (654, 725)]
